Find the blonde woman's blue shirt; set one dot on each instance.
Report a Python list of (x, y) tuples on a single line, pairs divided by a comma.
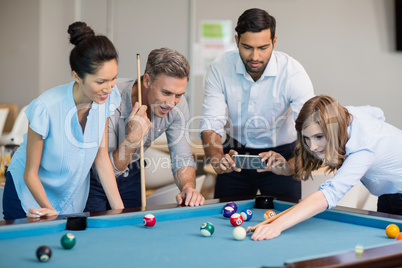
[(68, 152), (373, 157)]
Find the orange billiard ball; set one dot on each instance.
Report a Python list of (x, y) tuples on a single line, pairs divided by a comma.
[(392, 230), (269, 214)]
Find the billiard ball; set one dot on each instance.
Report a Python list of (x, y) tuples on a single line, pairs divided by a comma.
[(43, 253), (228, 212), (269, 214), (359, 250), (233, 205), (239, 233), (399, 237), (246, 214), (207, 229), (236, 219), (149, 220), (392, 230), (68, 241)]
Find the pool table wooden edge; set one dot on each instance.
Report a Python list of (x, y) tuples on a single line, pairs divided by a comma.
[(385, 256)]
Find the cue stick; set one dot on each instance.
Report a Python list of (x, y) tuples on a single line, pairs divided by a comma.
[(143, 192), (271, 219)]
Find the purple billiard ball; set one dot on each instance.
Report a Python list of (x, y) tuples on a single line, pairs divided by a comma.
[(228, 212), (233, 205)]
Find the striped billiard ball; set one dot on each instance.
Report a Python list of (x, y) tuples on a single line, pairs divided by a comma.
[(207, 229)]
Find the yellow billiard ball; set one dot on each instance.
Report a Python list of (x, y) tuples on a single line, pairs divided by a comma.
[(392, 230)]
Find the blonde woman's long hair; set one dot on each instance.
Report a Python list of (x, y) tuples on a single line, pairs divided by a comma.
[(334, 120)]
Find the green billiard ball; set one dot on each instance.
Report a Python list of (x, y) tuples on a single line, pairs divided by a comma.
[(207, 229), (68, 241)]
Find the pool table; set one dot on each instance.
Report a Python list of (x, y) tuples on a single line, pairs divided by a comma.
[(121, 240)]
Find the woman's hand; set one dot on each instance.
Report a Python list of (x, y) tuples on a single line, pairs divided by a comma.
[(264, 232), (40, 212)]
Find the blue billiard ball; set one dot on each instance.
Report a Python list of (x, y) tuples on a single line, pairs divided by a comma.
[(246, 214)]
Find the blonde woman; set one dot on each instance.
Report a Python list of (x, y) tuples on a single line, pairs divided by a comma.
[(354, 142)]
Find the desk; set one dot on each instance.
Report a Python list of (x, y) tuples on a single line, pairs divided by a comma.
[(175, 241)]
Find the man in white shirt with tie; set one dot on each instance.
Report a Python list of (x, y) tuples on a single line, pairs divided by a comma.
[(252, 97)]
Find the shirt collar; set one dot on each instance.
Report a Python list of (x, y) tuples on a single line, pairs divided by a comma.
[(270, 70)]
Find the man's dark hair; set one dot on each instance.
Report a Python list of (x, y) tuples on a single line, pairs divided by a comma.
[(255, 20)]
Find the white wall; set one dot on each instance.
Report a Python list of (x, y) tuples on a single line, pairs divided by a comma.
[(347, 47), (141, 26), (54, 46), (19, 59)]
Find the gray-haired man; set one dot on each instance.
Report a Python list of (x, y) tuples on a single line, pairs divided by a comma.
[(164, 109)]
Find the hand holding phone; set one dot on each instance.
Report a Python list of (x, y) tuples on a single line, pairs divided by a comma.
[(248, 161)]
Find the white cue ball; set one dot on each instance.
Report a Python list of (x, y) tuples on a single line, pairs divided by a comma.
[(239, 233)]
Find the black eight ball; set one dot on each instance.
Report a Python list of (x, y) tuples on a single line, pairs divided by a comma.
[(43, 253)]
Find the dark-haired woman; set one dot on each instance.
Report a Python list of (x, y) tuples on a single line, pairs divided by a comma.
[(353, 141), (67, 134)]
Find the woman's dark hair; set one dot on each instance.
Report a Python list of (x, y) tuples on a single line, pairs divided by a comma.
[(255, 20), (90, 51)]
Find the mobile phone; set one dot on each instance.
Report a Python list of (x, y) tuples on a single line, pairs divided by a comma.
[(249, 161)]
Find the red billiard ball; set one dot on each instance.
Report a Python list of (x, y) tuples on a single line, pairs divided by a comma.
[(149, 220), (269, 214), (236, 219)]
